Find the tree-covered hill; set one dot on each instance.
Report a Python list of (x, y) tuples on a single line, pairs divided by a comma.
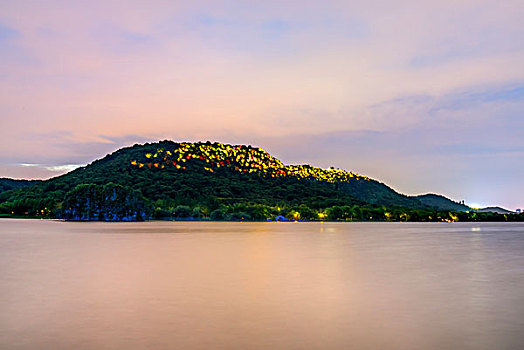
[(167, 179), (497, 210), (441, 203), (7, 184), (210, 174)]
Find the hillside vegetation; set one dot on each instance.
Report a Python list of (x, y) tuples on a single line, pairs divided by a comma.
[(211, 180), (7, 184), (441, 203)]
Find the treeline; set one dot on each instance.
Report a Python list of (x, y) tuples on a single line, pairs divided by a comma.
[(260, 212), (114, 202), (89, 202)]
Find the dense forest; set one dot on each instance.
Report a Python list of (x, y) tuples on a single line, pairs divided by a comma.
[(202, 181), (7, 184)]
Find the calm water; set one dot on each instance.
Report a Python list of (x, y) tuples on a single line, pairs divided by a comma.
[(169, 285)]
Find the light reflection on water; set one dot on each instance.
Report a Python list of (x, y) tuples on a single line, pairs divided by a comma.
[(172, 285)]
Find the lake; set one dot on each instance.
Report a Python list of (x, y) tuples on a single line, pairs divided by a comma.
[(210, 285)]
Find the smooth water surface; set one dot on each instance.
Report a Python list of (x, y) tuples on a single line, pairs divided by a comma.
[(196, 285)]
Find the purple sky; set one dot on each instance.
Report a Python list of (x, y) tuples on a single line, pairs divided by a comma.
[(424, 96)]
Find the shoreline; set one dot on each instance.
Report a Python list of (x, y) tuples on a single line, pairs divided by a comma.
[(251, 221)]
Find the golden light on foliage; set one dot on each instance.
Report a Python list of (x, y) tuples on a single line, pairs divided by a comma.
[(244, 159)]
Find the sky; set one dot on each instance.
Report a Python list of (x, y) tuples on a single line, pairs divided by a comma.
[(426, 96)]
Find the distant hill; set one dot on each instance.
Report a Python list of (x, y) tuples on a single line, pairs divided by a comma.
[(497, 210), (7, 184), (440, 202)]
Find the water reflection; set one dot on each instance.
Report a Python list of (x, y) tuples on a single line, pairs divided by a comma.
[(166, 285)]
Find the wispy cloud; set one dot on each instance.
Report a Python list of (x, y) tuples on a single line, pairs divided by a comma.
[(64, 168)]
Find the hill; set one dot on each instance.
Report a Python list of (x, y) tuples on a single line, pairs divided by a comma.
[(440, 202), (217, 181), (209, 174), (7, 184), (497, 210)]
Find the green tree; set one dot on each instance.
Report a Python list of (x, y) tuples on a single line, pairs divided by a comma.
[(182, 211), (218, 215)]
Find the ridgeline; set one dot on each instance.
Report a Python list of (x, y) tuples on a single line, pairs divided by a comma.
[(7, 184), (217, 181)]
